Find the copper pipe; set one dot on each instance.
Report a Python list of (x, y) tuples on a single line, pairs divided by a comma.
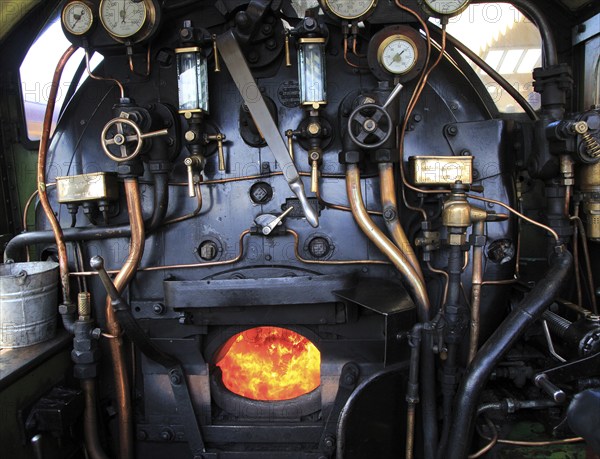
[(477, 279), (518, 214), (329, 262), (117, 350), (90, 425), (410, 431), (390, 204), (588, 263), (383, 243), (444, 274), (492, 441), (501, 282), (194, 213), (341, 207), (238, 257), (41, 177), (576, 263), (95, 77), (346, 53)]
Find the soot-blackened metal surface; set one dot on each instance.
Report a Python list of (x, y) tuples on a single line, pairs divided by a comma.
[(182, 308)]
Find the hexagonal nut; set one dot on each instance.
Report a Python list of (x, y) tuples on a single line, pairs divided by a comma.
[(384, 155), (85, 371), (130, 169), (83, 344), (67, 309), (350, 157), (85, 357), (478, 241), (457, 239)]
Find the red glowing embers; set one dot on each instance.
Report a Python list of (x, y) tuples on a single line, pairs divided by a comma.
[(270, 364)]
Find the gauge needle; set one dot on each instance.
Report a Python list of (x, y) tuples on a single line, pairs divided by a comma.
[(123, 13)]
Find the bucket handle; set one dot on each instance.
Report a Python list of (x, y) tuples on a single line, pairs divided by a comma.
[(22, 277)]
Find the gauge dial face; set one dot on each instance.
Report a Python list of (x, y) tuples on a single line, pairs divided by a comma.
[(397, 54), (77, 18), (350, 9), (123, 18), (446, 7)]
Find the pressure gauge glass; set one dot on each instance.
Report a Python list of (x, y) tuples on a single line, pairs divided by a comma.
[(349, 9), (445, 7), (123, 18), (397, 54), (77, 18)]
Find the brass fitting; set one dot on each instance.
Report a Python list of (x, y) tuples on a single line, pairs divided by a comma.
[(458, 212), (84, 308), (589, 185)]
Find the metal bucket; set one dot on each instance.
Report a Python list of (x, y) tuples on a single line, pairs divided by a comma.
[(28, 303)]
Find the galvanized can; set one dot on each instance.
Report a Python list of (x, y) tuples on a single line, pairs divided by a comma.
[(28, 303)]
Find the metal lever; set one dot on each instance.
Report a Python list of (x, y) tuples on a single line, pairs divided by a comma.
[(290, 138), (242, 76), (216, 53), (269, 222), (288, 60), (219, 139), (393, 95), (97, 264), (550, 388), (192, 162), (314, 177)]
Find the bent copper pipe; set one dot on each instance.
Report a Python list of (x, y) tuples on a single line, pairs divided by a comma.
[(419, 293), (477, 279), (390, 204), (383, 243), (90, 426), (117, 351), (41, 176)]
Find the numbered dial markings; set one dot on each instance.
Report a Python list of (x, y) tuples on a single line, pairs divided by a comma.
[(446, 7), (397, 54), (349, 9), (77, 18), (123, 18)]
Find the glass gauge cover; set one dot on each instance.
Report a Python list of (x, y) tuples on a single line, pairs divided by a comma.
[(397, 54), (349, 9), (445, 7), (77, 18), (123, 18)]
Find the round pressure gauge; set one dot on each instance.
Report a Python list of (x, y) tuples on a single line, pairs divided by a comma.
[(396, 52), (439, 8), (348, 9), (128, 20), (77, 18)]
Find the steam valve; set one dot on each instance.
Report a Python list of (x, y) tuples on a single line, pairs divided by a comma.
[(127, 132), (219, 138), (194, 165)]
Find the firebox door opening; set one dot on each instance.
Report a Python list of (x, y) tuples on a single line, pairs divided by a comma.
[(269, 364)]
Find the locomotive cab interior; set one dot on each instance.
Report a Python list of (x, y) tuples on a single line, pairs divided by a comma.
[(299, 229)]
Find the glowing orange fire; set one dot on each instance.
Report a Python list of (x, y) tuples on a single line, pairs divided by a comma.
[(270, 363)]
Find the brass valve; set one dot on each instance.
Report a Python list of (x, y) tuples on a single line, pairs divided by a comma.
[(219, 138), (458, 214), (290, 139), (315, 159), (194, 165)]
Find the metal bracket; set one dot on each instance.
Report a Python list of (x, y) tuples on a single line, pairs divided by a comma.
[(348, 382)]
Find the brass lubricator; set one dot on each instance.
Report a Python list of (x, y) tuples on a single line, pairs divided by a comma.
[(313, 131)]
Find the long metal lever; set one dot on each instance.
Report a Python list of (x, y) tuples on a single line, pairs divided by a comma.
[(242, 76), (393, 95), (97, 264)]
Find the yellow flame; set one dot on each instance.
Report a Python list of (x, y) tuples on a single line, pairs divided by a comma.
[(270, 363)]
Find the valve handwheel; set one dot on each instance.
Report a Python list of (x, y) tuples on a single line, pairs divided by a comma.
[(127, 134), (370, 126)]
